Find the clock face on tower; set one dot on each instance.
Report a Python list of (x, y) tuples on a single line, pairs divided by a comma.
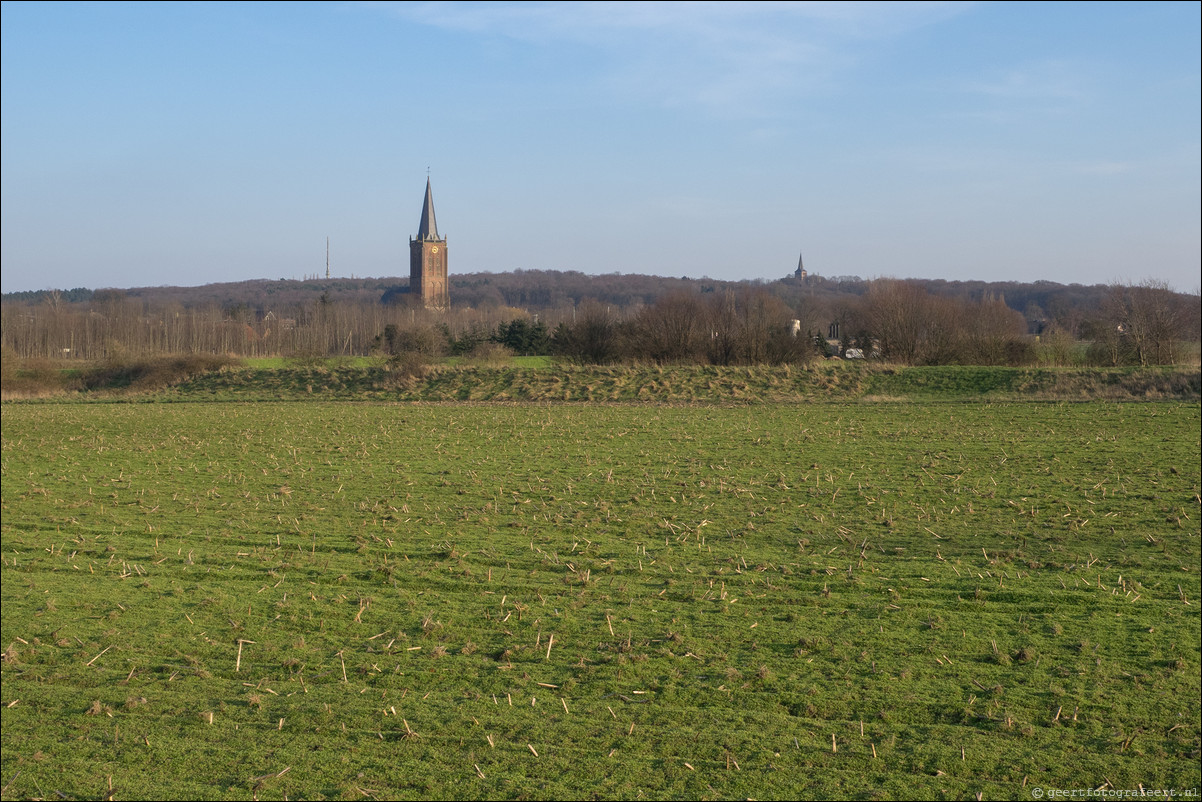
[(434, 249)]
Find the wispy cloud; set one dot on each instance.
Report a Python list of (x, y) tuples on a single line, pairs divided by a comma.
[(1046, 80), (1024, 92), (728, 58), (594, 20), (1103, 168)]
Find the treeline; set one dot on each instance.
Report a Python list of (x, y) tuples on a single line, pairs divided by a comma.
[(732, 328), (1145, 324), (545, 292), (897, 321), (621, 318)]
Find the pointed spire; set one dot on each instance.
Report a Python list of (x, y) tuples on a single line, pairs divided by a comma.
[(427, 229)]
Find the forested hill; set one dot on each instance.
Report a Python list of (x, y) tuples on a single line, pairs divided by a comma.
[(546, 290)]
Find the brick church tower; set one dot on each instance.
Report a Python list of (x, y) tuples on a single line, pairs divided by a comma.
[(428, 261)]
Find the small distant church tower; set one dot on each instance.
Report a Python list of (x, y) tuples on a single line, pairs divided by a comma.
[(801, 269), (428, 260)]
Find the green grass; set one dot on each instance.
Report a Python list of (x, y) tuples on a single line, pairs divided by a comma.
[(990, 597), (967, 381), (533, 361)]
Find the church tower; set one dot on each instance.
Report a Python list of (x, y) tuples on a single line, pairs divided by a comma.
[(428, 260)]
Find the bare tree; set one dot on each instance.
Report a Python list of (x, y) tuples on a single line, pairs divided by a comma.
[(1155, 322), (995, 333), (896, 312), (671, 330), (723, 319), (1146, 320), (1057, 347), (944, 323), (591, 339), (763, 318)]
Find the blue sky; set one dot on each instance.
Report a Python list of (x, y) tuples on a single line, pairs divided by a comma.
[(162, 143)]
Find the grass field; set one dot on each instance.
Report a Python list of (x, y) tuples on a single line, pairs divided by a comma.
[(358, 600)]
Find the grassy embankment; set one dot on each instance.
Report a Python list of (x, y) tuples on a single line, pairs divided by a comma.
[(537, 379), (332, 600), (688, 384)]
